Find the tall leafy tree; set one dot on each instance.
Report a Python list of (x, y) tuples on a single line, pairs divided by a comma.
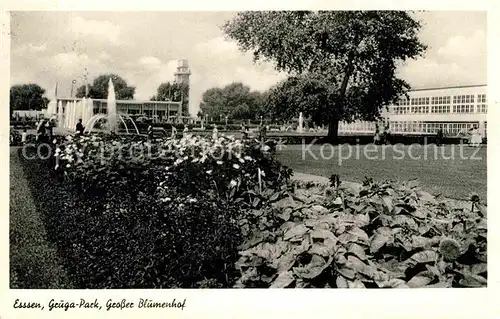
[(27, 97), (342, 63), (99, 88), (235, 100), (173, 92)]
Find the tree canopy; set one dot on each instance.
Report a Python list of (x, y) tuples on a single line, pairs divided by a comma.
[(27, 97), (99, 88), (173, 92), (235, 100), (342, 63)]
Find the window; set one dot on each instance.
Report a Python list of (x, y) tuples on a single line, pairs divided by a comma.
[(481, 104), (463, 104)]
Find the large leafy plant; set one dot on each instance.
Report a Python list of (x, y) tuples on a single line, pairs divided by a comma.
[(382, 236)]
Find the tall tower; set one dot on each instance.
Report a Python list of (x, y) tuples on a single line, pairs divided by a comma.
[(182, 77), (183, 72)]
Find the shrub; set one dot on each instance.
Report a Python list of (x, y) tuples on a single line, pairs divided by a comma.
[(384, 236)]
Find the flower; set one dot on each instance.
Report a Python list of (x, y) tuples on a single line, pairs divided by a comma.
[(219, 162), (233, 183), (193, 200), (209, 172), (68, 166), (236, 166), (247, 158)]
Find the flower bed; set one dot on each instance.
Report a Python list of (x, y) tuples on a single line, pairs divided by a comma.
[(385, 236), (162, 219), (204, 212)]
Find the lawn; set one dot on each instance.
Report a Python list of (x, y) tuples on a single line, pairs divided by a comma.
[(454, 171), (34, 263)]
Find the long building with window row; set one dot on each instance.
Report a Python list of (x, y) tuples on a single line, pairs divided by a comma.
[(455, 110)]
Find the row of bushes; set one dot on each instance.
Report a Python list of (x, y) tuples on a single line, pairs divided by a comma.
[(127, 221)]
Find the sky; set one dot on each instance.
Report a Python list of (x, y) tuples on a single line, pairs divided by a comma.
[(143, 48)]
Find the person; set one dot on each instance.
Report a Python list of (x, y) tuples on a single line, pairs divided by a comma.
[(150, 132), (476, 138), (49, 127), (387, 135), (262, 133), (244, 133), (174, 131), (214, 132), (439, 136), (24, 137), (79, 127), (40, 131)]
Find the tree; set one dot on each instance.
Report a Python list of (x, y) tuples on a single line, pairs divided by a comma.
[(99, 88), (235, 100), (27, 97), (342, 63), (173, 92)]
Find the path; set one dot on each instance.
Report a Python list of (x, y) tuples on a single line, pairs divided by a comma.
[(33, 260)]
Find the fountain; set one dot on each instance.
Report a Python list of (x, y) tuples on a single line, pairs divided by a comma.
[(60, 122), (112, 117), (300, 128)]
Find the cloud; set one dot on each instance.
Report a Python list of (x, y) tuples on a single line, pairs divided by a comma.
[(150, 61), (148, 73), (219, 47), (30, 49), (104, 56), (461, 60), (95, 29), (464, 48)]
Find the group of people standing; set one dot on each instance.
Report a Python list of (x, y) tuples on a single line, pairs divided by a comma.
[(45, 130)]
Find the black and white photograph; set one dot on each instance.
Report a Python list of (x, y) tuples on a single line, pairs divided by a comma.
[(247, 149)]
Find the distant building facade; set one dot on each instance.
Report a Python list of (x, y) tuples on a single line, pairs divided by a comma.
[(158, 111), (455, 110)]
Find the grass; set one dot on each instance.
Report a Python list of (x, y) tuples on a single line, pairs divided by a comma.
[(34, 263), (435, 168)]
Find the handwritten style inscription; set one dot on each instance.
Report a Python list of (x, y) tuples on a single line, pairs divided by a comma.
[(110, 304)]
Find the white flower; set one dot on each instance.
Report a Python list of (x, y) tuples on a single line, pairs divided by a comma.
[(193, 200), (54, 141), (262, 173), (232, 183), (209, 172), (242, 160), (266, 148), (68, 166), (236, 166), (247, 158), (58, 150), (219, 162)]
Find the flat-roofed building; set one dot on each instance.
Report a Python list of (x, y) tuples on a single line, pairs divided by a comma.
[(455, 110), (159, 111)]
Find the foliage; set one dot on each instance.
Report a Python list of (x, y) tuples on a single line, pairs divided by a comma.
[(131, 221), (343, 61), (27, 97), (235, 100), (173, 92), (99, 88), (384, 236)]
